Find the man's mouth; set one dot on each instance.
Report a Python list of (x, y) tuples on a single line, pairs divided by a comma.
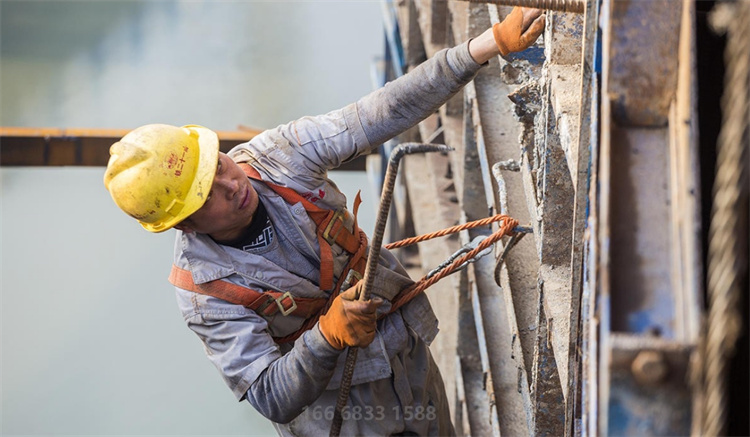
[(246, 199)]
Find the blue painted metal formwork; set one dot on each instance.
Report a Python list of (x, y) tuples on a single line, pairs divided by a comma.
[(647, 303)]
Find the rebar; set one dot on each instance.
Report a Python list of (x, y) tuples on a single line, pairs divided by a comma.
[(499, 263), (464, 249), (576, 6), (372, 261)]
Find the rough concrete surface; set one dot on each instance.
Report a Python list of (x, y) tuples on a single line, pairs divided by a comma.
[(430, 212), (565, 81)]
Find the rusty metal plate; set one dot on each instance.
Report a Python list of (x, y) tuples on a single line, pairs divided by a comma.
[(649, 394), (641, 287), (644, 38)]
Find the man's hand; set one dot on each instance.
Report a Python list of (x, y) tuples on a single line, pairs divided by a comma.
[(518, 30), (350, 322)]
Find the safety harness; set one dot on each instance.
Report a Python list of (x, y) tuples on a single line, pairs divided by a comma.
[(330, 230)]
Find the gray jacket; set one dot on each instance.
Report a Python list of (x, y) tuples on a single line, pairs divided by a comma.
[(295, 384)]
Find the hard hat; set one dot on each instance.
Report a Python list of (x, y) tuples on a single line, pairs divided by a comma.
[(160, 174)]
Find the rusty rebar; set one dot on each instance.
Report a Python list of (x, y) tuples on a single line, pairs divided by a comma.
[(372, 261), (576, 6), (385, 205)]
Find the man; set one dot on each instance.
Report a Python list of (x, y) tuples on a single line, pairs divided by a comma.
[(266, 253)]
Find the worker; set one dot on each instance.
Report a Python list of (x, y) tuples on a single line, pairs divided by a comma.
[(267, 255)]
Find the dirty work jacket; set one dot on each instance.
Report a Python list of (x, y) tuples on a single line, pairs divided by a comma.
[(396, 385)]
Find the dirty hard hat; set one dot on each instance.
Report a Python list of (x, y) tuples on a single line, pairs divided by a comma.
[(160, 174)]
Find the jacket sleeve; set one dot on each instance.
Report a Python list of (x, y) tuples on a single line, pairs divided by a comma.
[(406, 101), (237, 342), (295, 380), (313, 145)]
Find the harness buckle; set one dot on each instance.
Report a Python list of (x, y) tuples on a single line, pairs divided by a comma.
[(350, 277), (280, 304), (339, 214)]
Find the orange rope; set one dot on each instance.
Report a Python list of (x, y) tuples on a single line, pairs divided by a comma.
[(409, 293), (448, 231)]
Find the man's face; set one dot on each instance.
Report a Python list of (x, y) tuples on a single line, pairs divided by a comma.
[(230, 206)]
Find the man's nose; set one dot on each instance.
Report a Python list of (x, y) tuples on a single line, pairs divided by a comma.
[(229, 186)]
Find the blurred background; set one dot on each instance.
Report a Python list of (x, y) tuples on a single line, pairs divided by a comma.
[(92, 340)]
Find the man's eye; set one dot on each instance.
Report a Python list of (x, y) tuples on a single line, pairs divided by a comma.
[(209, 195), (219, 167)]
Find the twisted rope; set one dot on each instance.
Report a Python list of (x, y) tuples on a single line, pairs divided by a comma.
[(447, 231), (418, 287), (726, 254), (506, 228)]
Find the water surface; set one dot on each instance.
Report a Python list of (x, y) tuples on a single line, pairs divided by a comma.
[(92, 341)]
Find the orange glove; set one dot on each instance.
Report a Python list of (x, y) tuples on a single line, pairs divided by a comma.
[(518, 30), (350, 322)]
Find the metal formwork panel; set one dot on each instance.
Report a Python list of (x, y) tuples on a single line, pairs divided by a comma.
[(646, 307), (580, 302)]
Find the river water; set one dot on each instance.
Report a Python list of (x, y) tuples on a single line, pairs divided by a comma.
[(92, 341)]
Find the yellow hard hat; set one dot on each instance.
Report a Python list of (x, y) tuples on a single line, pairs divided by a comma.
[(160, 174)]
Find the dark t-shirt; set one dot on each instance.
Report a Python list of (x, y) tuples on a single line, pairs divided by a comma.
[(258, 235)]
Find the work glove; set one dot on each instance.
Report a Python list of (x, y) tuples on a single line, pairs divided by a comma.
[(350, 322), (518, 30)]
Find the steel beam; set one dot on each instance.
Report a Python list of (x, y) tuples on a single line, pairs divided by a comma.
[(22, 146)]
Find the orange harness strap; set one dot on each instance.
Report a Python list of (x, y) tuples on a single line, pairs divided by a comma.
[(330, 226), (262, 303), (356, 264)]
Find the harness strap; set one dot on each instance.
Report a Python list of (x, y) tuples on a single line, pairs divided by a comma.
[(330, 225), (356, 263), (266, 303), (270, 302)]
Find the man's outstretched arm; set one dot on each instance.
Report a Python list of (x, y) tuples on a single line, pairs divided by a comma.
[(321, 143), (406, 101)]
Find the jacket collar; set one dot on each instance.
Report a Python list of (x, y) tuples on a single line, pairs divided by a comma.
[(206, 259)]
